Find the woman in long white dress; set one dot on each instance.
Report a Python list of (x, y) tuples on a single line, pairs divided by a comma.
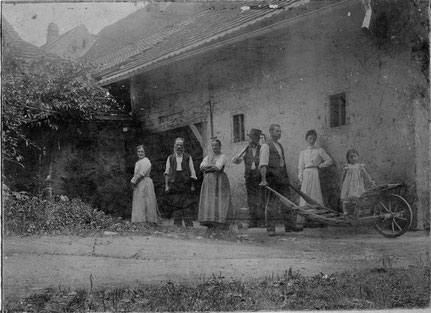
[(311, 160), (144, 205), (215, 200)]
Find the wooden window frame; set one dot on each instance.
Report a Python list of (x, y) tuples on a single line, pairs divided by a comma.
[(238, 127), (338, 110)]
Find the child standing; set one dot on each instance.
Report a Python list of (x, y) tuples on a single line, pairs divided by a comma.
[(352, 181)]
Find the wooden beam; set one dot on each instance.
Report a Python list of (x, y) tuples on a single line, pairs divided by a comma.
[(197, 134)]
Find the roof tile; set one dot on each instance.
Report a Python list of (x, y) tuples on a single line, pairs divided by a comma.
[(21, 49), (197, 30)]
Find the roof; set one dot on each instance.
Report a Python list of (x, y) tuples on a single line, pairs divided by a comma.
[(21, 48), (192, 33), (64, 36), (140, 24)]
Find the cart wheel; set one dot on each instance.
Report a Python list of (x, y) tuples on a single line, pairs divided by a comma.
[(395, 215)]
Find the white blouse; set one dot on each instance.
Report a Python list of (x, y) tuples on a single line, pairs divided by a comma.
[(142, 169), (313, 157), (218, 161)]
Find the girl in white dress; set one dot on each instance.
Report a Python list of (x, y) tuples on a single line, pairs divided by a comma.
[(311, 160), (144, 205), (353, 179)]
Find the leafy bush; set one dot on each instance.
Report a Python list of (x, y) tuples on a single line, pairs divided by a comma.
[(27, 215)]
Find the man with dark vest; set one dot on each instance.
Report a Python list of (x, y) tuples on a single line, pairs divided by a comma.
[(180, 177), (250, 156), (274, 174)]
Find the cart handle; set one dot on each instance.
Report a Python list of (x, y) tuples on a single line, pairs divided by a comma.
[(308, 199)]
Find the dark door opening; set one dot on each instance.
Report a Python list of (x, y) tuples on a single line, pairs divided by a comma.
[(158, 147)]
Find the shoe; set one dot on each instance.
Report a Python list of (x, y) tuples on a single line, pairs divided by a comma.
[(252, 224), (288, 229), (178, 223), (188, 224), (260, 223), (271, 231), (367, 31)]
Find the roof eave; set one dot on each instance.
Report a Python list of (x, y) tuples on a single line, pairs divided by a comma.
[(205, 46)]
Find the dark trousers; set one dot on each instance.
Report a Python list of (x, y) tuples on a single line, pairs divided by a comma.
[(181, 199), (275, 212), (186, 214), (254, 199)]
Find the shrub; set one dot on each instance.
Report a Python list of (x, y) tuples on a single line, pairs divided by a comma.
[(27, 215)]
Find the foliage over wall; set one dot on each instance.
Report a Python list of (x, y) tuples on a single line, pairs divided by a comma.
[(42, 92), (44, 103)]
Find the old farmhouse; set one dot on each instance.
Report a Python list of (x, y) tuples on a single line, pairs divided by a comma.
[(301, 64)]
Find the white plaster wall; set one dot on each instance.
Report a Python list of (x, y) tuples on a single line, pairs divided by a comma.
[(286, 77)]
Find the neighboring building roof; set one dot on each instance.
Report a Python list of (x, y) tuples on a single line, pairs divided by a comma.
[(72, 44), (64, 37), (153, 18), (21, 49), (192, 33)]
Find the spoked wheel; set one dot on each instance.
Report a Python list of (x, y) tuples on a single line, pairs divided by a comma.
[(395, 215)]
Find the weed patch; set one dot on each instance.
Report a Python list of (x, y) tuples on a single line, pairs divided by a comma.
[(352, 290)]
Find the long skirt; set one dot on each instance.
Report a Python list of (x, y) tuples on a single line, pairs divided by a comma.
[(311, 186), (215, 200), (144, 206)]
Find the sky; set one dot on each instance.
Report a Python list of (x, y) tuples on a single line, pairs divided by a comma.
[(31, 20)]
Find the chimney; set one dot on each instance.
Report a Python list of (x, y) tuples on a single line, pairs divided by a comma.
[(52, 32)]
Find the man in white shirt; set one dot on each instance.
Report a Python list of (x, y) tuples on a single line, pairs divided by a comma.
[(180, 177), (250, 156), (274, 174)]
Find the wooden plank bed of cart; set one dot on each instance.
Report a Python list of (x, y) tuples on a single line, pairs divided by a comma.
[(380, 206)]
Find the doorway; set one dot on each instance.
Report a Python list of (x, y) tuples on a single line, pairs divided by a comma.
[(159, 146)]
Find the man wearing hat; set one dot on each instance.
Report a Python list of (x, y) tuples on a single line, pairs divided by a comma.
[(250, 156)]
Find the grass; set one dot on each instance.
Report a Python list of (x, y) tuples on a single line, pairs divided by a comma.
[(378, 288)]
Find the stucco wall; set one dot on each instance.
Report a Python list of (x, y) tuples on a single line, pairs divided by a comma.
[(286, 77)]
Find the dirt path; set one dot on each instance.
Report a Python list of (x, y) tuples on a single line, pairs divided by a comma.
[(33, 263)]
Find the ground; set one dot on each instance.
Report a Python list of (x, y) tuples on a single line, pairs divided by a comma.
[(33, 263)]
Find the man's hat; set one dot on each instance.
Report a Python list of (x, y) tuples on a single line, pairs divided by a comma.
[(255, 133)]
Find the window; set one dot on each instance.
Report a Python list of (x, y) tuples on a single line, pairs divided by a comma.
[(238, 128), (337, 109)]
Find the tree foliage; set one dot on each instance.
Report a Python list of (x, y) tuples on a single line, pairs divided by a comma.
[(45, 92)]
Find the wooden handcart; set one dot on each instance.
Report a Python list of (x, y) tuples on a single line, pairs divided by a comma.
[(380, 206)]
